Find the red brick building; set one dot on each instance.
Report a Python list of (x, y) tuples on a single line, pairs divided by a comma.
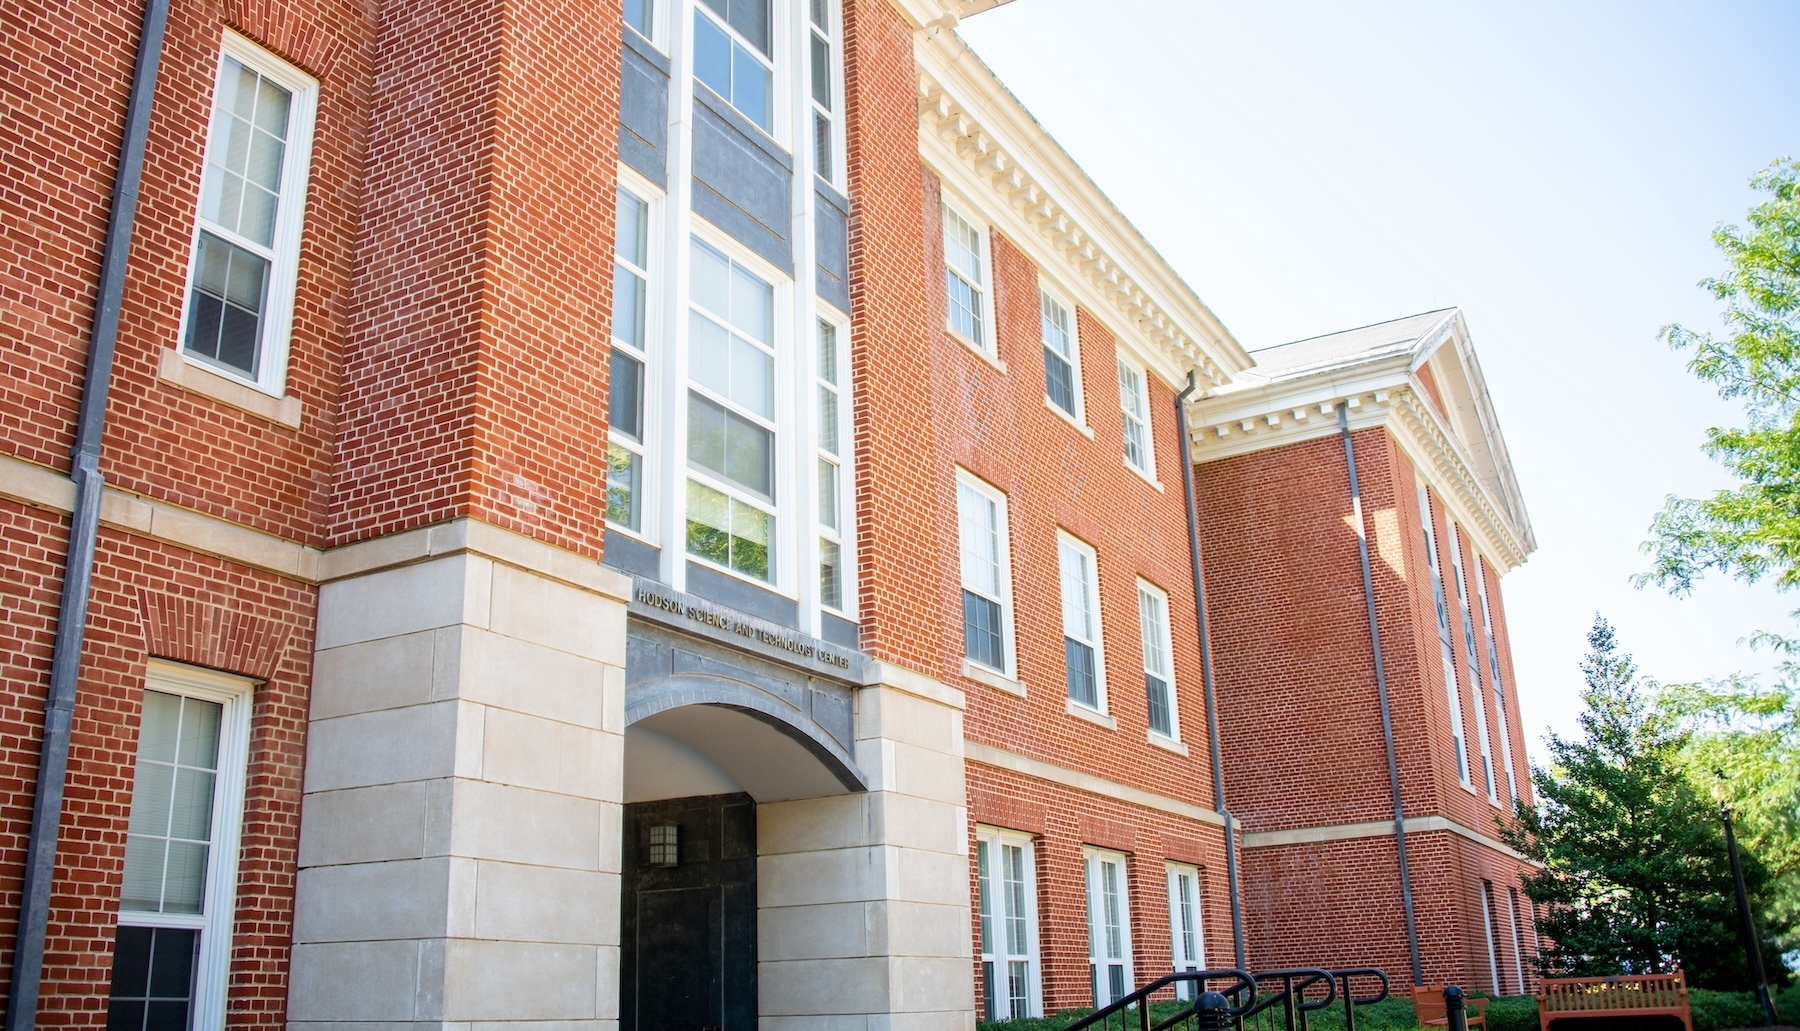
[(663, 514)]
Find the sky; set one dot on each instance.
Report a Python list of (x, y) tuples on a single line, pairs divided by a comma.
[(1554, 169)]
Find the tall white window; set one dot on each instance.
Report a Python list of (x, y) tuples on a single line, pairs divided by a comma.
[(820, 73), (1493, 658), (1184, 924), (1452, 695), (1159, 670), (731, 415), (1493, 937), (1473, 664), (1518, 935), (1062, 366), (1081, 622), (246, 249), (734, 55), (626, 415), (831, 373), (986, 590), (1008, 902), (187, 802), (1109, 926), (965, 278), (1134, 405)]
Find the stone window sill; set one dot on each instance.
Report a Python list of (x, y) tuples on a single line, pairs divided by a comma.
[(1094, 716), (1167, 744), (197, 379), (982, 675)]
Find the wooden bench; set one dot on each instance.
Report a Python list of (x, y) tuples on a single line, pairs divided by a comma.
[(1428, 1000), (1646, 995)]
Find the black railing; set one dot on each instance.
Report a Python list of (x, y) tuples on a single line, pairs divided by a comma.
[(1235, 1000)]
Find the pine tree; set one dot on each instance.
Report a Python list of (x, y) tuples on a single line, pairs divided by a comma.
[(1634, 875)]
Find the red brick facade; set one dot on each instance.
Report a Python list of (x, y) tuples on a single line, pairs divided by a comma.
[(450, 357)]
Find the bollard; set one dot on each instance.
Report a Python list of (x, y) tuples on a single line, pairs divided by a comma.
[(1456, 1016), (1212, 1012)]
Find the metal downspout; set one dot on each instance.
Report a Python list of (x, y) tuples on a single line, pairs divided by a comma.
[(84, 529), (1206, 673), (1381, 689)]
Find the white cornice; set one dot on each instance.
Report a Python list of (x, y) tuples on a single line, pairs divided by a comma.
[(1382, 393), (989, 148)]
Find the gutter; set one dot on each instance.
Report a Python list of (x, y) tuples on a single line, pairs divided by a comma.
[(1206, 674), (1381, 689), (84, 530)]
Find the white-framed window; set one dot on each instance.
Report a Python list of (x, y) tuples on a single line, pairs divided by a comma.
[(641, 15), (831, 375), (822, 80), (1492, 932), (1448, 652), (628, 414), (1518, 935), (986, 574), (173, 945), (1082, 664), (1493, 657), (731, 415), (1007, 899), (238, 313), (1062, 354), (1109, 926), (1472, 664), (1134, 406), (1159, 667), (734, 55), (966, 279), (1185, 942)]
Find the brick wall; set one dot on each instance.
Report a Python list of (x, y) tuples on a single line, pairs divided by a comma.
[(150, 600), (476, 369), (1062, 821)]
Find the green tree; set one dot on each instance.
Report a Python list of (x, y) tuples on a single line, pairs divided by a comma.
[(1750, 732), (1634, 876), (1751, 530)]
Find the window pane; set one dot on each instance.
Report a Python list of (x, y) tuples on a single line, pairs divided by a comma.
[(749, 455), (1156, 694), (628, 306), (709, 349), (752, 305), (828, 420), (986, 896), (200, 733), (622, 479), (828, 494), (625, 408), (708, 524), (821, 72), (1079, 659), (272, 104), (160, 727), (264, 165), (978, 535), (831, 573), (710, 271), (982, 641), (712, 55), (822, 159), (751, 88), (828, 356), (821, 14), (706, 434), (750, 540), (152, 979), (751, 18), (190, 812), (752, 375), (638, 15)]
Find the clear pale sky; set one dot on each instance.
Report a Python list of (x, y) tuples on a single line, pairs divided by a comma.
[(1555, 169)]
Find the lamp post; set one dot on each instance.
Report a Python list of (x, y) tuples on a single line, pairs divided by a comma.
[(1751, 944)]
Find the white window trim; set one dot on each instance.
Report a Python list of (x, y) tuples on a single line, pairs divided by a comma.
[(989, 352), (1148, 470), (1092, 858), (1010, 644), (1173, 737), (1180, 962), (995, 837), (659, 13), (1091, 585), (649, 448), (1472, 662), (290, 219), (834, 42), (1503, 723), (789, 510), (212, 968), (1078, 417)]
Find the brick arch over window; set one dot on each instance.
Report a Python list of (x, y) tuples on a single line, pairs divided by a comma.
[(199, 633)]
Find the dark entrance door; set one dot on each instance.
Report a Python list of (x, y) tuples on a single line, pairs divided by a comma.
[(688, 925)]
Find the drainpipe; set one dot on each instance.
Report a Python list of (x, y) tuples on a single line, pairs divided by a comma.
[(84, 529), (1206, 673), (1381, 690)]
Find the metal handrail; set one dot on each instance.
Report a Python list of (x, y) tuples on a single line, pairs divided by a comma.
[(1244, 984), (1351, 1001), (1292, 997)]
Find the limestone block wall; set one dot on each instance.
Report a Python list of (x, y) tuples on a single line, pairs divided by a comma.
[(459, 854), (863, 898)]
